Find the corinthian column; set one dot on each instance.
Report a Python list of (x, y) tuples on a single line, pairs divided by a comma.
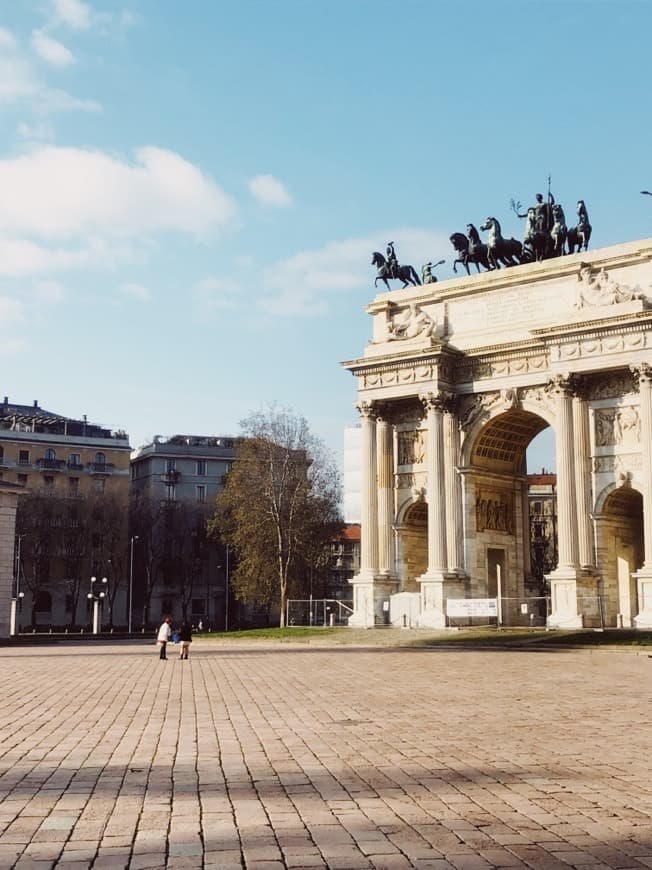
[(560, 388), (385, 442), (644, 576), (453, 487), (644, 374), (369, 505), (437, 557), (583, 481), (563, 580)]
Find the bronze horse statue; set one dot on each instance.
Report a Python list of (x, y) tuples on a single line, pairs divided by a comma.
[(471, 248), (578, 237), (406, 274), (501, 251)]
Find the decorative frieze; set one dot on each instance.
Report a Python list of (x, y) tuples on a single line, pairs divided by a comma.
[(595, 289)]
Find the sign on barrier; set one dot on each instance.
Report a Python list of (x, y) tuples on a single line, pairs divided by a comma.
[(471, 607)]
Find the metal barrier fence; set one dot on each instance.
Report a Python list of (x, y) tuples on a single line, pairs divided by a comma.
[(318, 611)]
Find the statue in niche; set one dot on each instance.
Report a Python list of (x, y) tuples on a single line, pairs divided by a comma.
[(413, 323), (599, 289)]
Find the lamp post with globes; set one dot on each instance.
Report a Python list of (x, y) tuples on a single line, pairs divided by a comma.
[(97, 595), (134, 538)]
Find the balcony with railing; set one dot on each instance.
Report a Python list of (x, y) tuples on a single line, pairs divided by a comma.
[(102, 467), (50, 464), (170, 478)]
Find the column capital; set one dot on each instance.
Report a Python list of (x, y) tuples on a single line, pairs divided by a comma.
[(440, 401), (561, 386), (367, 410), (642, 371)]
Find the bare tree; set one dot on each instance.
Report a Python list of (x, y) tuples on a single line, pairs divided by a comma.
[(280, 496)]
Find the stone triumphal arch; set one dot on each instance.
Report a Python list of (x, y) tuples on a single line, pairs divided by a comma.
[(457, 380)]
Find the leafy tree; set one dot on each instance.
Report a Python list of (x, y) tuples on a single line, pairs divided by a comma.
[(279, 504)]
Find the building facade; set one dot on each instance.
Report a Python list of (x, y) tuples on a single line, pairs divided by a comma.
[(70, 471), (458, 379), (180, 478)]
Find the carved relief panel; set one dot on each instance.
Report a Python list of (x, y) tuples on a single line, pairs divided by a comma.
[(615, 427), (494, 511), (411, 447)]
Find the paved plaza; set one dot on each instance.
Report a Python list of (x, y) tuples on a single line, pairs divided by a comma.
[(297, 755)]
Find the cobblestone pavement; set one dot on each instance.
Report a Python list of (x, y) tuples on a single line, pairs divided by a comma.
[(283, 756)]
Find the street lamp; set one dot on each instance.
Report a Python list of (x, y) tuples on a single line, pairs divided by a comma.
[(17, 598), (134, 538), (96, 597)]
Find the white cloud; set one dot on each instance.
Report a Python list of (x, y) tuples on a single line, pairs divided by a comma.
[(7, 39), (73, 13), (17, 81), (49, 292), (11, 310), (12, 346), (269, 191), (301, 284), (212, 294), (51, 50), (20, 257), (68, 193), (35, 132), (135, 291)]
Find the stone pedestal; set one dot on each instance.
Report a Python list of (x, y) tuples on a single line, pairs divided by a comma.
[(644, 587), (567, 589), (435, 589), (369, 597)]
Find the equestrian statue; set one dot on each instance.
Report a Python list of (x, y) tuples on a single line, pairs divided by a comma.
[(389, 269)]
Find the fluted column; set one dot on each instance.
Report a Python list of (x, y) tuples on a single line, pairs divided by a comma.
[(369, 500), (586, 549), (385, 444), (453, 489), (560, 387), (644, 374), (437, 556), (644, 577)]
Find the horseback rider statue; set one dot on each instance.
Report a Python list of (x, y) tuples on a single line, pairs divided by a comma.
[(392, 261)]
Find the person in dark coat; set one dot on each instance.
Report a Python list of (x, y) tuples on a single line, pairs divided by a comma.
[(185, 636)]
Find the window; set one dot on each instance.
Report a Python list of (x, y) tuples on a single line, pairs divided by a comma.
[(74, 460), (200, 489), (170, 465), (69, 603), (22, 478), (201, 467), (1, 476), (198, 606), (73, 485), (48, 481), (171, 492), (100, 460), (2, 454), (23, 457), (99, 485), (50, 454)]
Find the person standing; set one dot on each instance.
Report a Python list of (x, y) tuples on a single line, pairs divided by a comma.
[(164, 633), (185, 636)]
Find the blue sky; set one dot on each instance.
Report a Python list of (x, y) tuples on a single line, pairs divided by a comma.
[(190, 191)]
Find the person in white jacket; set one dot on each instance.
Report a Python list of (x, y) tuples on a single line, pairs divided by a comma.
[(164, 633)]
